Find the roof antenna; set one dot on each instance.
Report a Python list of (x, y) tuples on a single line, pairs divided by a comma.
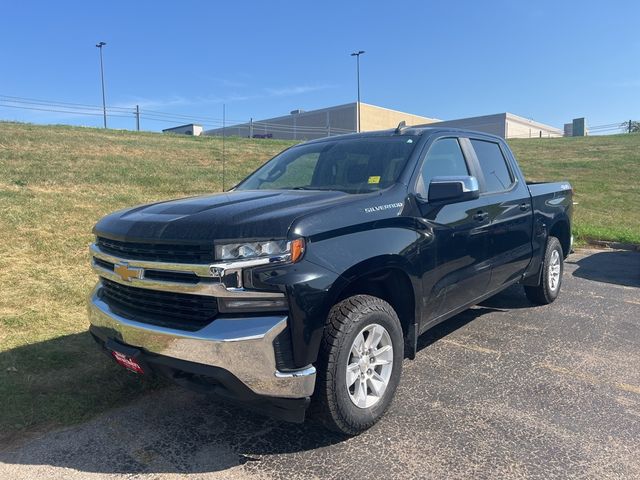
[(400, 126)]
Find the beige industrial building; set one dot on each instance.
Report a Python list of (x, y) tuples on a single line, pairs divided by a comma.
[(505, 125), (338, 120), (341, 119)]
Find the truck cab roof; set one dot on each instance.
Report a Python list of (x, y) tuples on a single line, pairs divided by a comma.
[(410, 130)]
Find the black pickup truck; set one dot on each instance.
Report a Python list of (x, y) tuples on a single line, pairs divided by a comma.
[(310, 281)]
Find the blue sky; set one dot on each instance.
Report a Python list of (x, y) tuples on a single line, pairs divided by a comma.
[(547, 60)]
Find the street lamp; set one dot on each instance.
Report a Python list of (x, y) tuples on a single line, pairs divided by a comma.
[(357, 55), (104, 103)]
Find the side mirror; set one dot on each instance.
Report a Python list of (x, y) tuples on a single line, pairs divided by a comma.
[(453, 189)]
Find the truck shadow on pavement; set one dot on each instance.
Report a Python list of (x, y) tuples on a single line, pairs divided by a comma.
[(615, 266), (170, 431), (510, 299)]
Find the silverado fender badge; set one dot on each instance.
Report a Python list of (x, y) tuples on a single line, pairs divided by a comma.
[(126, 272), (379, 208)]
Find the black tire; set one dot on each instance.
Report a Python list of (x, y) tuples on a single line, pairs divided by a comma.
[(332, 404), (545, 292)]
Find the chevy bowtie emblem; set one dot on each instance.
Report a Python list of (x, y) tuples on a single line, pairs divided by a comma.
[(126, 272), (217, 272)]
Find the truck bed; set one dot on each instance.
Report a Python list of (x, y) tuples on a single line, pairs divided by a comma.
[(550, 190)]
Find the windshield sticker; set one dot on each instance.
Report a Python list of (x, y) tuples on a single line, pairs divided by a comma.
[(379, 208), (374, 179)]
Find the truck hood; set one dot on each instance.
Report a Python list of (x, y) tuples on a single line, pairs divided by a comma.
[(232, 215)]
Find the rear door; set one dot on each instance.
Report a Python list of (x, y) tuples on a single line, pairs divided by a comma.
[(508, 203), (454, 252)]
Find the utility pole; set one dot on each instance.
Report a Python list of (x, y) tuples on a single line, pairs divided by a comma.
[(629, 126), (104, 101), (357, 55), (223, 135), (328, 124), (251, 127), (138, 118)]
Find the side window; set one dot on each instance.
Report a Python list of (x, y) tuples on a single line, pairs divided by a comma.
[(493, 164), (444, 159)]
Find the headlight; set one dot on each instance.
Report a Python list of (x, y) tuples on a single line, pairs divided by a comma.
[(271, 248)]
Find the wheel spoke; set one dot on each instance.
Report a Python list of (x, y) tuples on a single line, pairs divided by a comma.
[(353, 372), (381, 350), (377, 384), (380, 361), (358, 345), (360, 393), (375, 335)]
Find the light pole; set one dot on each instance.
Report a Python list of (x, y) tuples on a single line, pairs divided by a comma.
[(357, 55), (104, 102)]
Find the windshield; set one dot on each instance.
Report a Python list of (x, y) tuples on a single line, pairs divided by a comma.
[(356, 165)]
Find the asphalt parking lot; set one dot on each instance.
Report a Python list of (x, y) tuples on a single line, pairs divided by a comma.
[(505, 389)]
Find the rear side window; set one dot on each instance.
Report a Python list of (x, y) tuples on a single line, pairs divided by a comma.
[(444, 159), (493, 164)]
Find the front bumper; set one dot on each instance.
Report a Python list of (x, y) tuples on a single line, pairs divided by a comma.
[(242, 346)]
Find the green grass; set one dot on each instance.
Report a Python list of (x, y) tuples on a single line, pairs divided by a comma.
[(605, 174), (56, 182)]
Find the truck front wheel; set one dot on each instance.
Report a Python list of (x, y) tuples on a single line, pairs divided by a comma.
[(359, 364), (551, 279)]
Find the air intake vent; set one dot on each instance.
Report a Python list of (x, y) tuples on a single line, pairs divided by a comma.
[(167, 309)]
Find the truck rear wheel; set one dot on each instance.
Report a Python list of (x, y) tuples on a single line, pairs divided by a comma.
[(359, 364), (551, 279)]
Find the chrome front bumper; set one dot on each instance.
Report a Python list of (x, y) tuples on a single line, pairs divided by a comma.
[(243, 346)]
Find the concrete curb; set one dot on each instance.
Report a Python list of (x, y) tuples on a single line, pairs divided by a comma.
[(614, 245)]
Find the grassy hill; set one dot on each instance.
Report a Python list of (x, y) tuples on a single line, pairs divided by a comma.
[(56, 182), (605, 174)]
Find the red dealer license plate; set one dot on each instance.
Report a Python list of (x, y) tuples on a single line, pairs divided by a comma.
[(127, 362)]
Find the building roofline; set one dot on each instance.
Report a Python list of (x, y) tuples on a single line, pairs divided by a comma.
[(400, 111), (320, 110), (507, 116), (182, 126), (518, 118), (306, 112)]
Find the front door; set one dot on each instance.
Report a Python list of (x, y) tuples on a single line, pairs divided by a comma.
[(454, 251)]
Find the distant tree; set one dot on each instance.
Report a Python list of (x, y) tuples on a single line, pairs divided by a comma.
[(630, 126)]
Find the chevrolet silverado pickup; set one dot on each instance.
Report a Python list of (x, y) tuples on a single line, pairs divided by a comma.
[(302, 289)]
